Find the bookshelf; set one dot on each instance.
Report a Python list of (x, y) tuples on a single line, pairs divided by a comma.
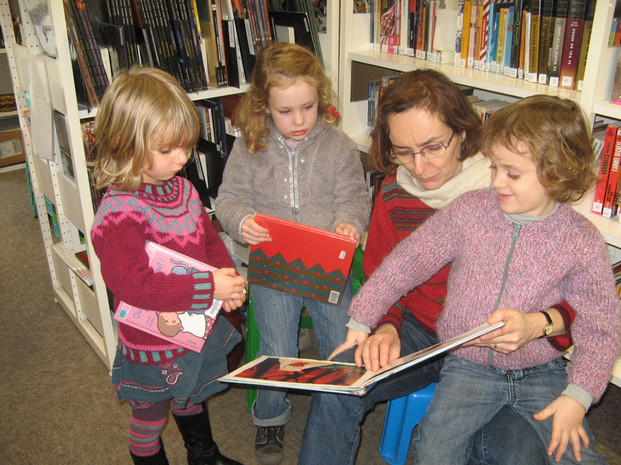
[(58, 194), (359, 64), (9, 122)]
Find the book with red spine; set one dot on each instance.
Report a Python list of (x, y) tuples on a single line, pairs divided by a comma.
[(187, 329), (604, 170), (609, 209)]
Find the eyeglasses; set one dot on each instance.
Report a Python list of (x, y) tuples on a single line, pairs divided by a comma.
[(429, 152)]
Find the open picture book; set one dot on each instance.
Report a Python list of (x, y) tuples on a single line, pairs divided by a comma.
[(338, 377)]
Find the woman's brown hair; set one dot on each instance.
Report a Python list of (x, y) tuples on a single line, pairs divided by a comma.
[(429, 90)]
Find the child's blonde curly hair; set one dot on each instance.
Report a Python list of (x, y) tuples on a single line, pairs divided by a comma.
[(280, 65)]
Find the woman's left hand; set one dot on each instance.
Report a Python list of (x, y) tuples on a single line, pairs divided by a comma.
[(519, 329)]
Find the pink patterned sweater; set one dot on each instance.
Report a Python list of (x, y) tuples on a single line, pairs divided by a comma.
[(560, 258), (171, 215)]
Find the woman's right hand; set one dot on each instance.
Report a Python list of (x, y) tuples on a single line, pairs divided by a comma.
[(374, 351), (379, 349), (252, 233)]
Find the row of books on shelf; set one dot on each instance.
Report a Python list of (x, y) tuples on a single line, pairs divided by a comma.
[(483, 108), (200, 42), (607, 146), (542, 41)]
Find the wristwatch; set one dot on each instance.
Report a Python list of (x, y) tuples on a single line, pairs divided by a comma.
[(549, 327)]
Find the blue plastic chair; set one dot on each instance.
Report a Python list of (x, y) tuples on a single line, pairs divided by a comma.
[(402, 415)]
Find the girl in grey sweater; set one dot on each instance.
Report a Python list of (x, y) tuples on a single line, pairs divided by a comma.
[(291, 163)]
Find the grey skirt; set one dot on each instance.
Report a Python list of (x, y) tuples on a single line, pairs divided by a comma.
[(186, 381)]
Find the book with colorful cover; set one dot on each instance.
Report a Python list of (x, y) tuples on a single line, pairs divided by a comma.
[(188, 329), (301, 260), (338, 377)]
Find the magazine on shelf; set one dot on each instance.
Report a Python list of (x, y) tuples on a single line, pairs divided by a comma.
[(338, 377), (188, 329), (301, 260)]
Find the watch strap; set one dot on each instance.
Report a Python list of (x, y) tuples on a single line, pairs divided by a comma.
[(550, 326)]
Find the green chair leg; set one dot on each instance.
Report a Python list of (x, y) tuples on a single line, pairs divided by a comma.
[(253, 341)]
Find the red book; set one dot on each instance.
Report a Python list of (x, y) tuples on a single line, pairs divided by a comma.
[(609, 209), (604, 169), (301, 260), (188, 329)]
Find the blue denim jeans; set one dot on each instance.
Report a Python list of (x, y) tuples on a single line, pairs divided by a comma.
[(333, 422), (278, 319), (470, 395)]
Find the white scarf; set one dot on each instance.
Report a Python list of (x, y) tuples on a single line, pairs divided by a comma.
[(475, 174)]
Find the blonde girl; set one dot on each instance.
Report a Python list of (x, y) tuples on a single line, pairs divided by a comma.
[(145, 129)]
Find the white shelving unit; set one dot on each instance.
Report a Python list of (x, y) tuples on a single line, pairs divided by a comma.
[(8, 119), (87, 305), (356, 55)]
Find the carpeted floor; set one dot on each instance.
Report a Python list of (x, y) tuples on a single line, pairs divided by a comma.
[(58, 404)]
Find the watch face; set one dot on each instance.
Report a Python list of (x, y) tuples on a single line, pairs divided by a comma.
[(549, 329)]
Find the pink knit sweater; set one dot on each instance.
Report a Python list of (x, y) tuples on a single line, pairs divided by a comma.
[(171, 215), (560, 258)]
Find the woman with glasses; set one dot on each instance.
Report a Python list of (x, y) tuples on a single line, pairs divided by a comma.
[(427, 141)]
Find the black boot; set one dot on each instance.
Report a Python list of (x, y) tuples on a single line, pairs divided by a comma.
[(196, 433), (157, 459)]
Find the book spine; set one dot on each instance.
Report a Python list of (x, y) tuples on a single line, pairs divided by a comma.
[(517, 39), (586, 40), (83, 62), (604, 170), (459, 31), (571, 45), (534, 41), (556, 51), (465, 35), (217, 22), (508, 45), (500, 42), (524, 33), (608, 211), (528, 29), (545, 40), (485, 26)]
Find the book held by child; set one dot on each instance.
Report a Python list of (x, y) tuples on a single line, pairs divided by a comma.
[(188, 329)]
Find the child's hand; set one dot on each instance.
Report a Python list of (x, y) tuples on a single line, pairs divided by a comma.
[(349, 230), (254, 234), (566, 426), (354, 338), (519, 329), (230, 305), (228, 285)]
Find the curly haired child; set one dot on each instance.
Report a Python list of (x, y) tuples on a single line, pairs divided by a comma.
[(292, 163)]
